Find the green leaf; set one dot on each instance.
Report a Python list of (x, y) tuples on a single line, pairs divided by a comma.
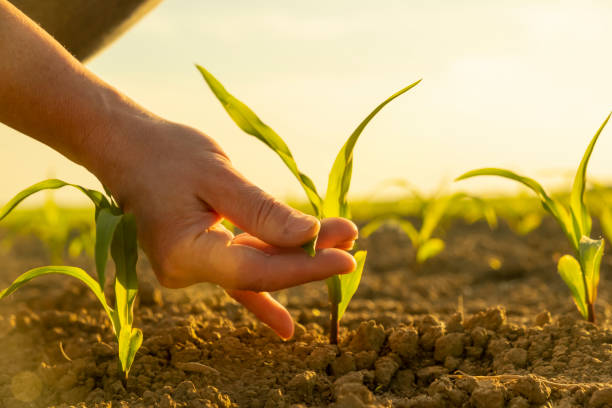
[(246, 119), (124, 250), (350, 282), (310, 247), (375, 224), (433, 214), (550, 205), (404, 225), (335, 203), (52, 184), (409, 230), (528, 223), (429, 249), (579, 212), (591, 252), (106, 224), (487, 210), (570, 271), (62, 270), (130, 341)]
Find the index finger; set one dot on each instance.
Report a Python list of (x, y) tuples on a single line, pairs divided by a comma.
[(212, 257)]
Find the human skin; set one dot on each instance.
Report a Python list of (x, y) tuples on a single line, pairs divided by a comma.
[(177, 181)]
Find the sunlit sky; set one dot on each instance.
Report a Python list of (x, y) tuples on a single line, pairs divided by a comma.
[(517, 84)]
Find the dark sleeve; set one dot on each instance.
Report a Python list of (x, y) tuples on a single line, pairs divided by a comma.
[(85, 27)]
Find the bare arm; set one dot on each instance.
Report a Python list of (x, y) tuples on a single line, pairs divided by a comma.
[(176, 180)]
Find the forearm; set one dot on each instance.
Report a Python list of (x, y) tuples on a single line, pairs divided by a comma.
[(48, 95)]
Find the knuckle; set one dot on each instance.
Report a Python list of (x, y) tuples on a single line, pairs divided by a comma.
[(268, 212)]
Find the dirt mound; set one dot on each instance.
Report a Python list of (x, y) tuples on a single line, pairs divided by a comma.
[(432, 338)]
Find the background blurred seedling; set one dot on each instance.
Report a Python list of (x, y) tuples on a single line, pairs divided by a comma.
[(64, 233), (341, 288), (600, 201), (432, 210), (523, 214), (581, 271), (115, 232)]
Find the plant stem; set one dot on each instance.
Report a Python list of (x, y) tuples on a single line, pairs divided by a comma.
[(589, 302), (591, 312), (333, 324)]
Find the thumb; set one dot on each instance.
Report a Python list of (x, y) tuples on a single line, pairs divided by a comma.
[(256, 212)]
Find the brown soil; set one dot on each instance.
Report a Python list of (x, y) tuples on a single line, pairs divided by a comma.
[(457, 333)]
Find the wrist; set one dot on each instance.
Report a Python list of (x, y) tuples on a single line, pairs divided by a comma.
[(110, 143)]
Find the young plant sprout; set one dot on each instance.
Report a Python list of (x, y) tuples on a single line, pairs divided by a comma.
[(115, 231), (581, 271), (340, 288), (432, 211)]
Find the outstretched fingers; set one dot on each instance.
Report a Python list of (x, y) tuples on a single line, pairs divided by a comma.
[(211, 256), (337, 233)]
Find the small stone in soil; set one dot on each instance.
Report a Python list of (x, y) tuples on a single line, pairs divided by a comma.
[(543, 318)]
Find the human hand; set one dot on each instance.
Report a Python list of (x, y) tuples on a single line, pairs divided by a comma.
[(177, 181), (180, 184)]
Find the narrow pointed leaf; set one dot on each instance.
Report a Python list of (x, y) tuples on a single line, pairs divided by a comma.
[(106, 224), (433, 214), (51, 184), (374, 225), (429, 249), (404, 225), (570, 271), (577, 206), (77, 273), (130, 341), (350, 282), (487, 210), (248, 121), (124, 250), (409, 230), (335, 204), (550, 205), (591, 252)]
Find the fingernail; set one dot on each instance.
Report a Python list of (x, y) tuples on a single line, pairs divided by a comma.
[(303, 223)]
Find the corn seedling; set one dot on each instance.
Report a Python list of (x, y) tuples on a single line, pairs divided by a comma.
[(115, 232), (59, 230), (340, 288), (581, 271), (432, 212)]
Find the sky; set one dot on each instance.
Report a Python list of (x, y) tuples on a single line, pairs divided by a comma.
[(516, 84)]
